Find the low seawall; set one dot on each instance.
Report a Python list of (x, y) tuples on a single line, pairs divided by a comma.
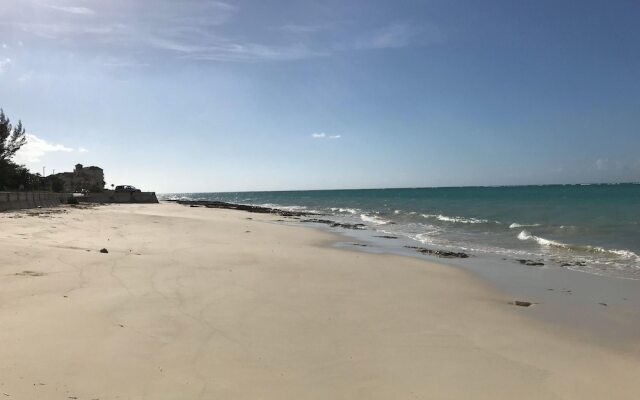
[(20, 200), (118, 197)]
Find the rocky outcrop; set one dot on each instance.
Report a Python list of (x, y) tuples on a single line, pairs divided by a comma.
[(335, 224), (243, 207), (439, 253), (532, 263)]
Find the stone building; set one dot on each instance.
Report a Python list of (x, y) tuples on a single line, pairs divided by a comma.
[(82, 179)]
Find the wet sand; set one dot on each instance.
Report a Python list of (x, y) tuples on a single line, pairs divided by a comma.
[(194, 303)]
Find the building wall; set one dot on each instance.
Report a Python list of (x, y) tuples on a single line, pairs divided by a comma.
[(19, 200), (109, 196)]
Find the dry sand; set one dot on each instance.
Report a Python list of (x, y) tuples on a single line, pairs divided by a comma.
[(194, 303)]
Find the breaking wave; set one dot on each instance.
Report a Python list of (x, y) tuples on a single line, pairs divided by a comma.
[(460, 220), (345, 210), (374, 219), (626, 254), (517, 225)]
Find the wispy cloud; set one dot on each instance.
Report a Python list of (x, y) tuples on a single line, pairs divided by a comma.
[(393, 36), (82, 150), (295, 28), (205, 30), (36, 148), (73, 10), (4, 64), (323, 135)]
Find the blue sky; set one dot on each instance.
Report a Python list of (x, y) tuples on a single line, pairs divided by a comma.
[(271, 95)]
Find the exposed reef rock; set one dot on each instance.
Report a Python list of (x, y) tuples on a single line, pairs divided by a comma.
[(573, 264), (532, 263), (243, 207), (335, 224), (439, 253)]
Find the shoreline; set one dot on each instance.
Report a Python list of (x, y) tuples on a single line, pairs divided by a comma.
[(602, 309), (194, 303)]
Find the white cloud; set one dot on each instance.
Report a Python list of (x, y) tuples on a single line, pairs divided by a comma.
[(203, 30), (5, 46), (82, 150), (74, 10), (298, 29), (36, 147), (400, 35), (323, 135), (4, 64)]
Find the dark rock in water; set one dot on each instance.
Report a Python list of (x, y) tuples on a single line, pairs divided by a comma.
[(387, 237), (243, 207), (104, 251), (348, 226), (603, 304), (359, 244), (318, 221), (574, 264), (335, 224), (522, 303), (530, 262), (439, 253)]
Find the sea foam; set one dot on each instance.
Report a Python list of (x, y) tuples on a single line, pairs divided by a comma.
[(460, 220), (373, 219)]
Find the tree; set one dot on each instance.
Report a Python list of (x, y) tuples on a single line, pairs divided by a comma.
[(11, 138), (56, 184)]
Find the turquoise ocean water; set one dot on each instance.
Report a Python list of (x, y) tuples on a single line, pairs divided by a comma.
[(590, 228)]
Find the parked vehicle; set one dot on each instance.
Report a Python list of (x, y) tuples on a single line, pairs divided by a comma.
[(127, 189)]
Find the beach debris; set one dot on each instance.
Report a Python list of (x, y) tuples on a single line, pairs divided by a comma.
[(439, 253), (386, 237), (194, 206), (533, 263), (522, 303), (247, 231), (104, 251), (30, 273)]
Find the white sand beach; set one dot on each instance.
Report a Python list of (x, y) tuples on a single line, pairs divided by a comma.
[(196, 303)]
